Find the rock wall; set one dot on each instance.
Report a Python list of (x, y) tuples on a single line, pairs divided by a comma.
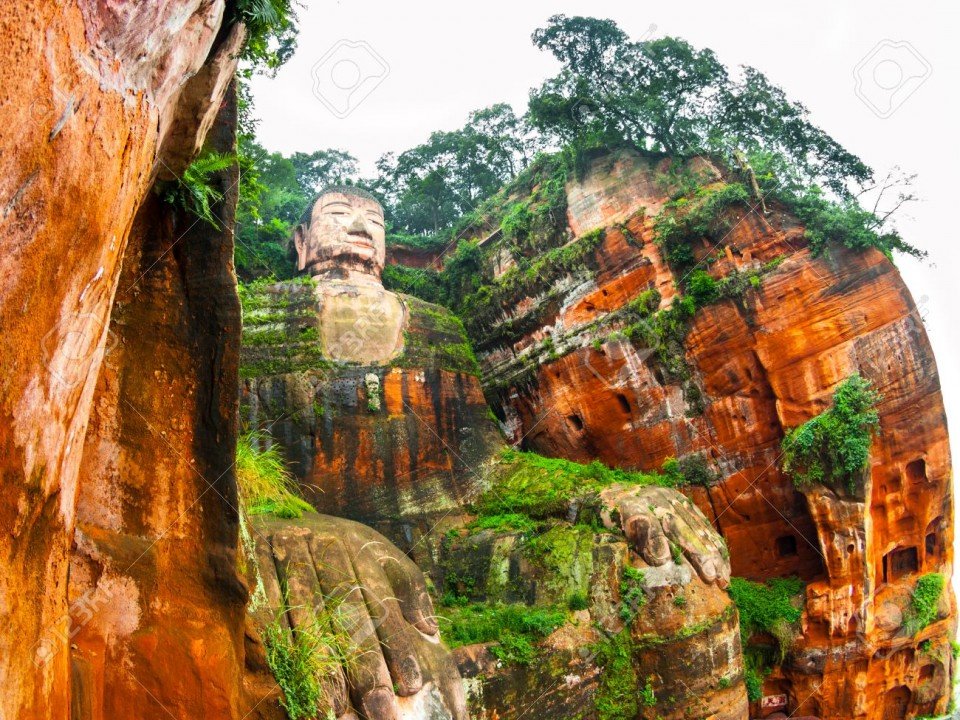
[(382, 444), (756, 364), (101, 96), (654, 634)]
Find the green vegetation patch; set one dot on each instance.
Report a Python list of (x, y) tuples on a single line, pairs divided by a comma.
[(834, 447), (617, 696), (515, 627), (773, 607), (304, 659), (539, 487), (702, 214), (265, 484), (924, 602)]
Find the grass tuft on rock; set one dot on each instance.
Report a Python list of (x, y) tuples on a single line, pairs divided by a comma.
[(266, 486), (515, 627)]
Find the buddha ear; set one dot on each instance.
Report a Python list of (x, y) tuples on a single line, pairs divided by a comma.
[(300, 245)]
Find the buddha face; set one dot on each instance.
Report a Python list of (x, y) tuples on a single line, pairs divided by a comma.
[(345, 237)]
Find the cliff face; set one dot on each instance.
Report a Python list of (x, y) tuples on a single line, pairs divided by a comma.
[(719, 397), (106, 97)]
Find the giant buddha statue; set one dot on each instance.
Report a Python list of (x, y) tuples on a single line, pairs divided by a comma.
[(374, 396), (340, 243)]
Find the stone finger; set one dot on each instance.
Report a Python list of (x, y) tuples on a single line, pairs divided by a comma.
[(410, 589), (298, 577), (398, 639), (365, 667)]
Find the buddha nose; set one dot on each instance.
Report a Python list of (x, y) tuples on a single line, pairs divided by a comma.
[(358, 225)]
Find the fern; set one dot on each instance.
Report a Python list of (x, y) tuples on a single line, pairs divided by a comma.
[(195, 191)]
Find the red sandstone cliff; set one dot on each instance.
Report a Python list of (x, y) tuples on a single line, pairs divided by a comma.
[(98, 100), (759, 363)]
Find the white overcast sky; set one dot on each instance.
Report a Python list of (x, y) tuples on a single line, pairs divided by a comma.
[(445, 59)]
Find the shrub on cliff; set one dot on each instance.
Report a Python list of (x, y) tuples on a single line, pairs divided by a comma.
[(834, 446), (924, 602), (770, 607)]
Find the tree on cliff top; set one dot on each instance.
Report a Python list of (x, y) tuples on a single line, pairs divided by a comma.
[(664, 95), (428, 187)]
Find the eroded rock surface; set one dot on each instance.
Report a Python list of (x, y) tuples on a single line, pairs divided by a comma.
[(89, 94), (749, 367)]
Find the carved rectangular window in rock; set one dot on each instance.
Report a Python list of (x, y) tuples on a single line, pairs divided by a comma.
[(917, 470), (899, 563), (786, 546), (576, 422), (624, 403)]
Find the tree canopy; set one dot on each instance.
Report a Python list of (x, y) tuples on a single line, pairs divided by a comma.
[(664, 95)]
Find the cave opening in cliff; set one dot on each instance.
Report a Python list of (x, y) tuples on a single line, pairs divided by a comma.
[(786, 546), (917, 470), (900, 562)]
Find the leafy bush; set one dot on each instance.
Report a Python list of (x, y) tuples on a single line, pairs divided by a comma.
[(265, 484), (924, 602), (692, 469), (770, 608), (702, 288), (834, 446), (195, 191)]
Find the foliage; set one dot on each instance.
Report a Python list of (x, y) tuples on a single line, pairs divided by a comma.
[(700, 215), (924, 602), (428, 187), (702, 288), (647, 696), (834, 446), (578, 601), (423, 283), (196, 191), (302, 659), (265, 484), (769, 607), (512, 522), (539, 487), (842, 220), (692, 469), (632, 596), (293, 663), (616, 696), (753, 678), (665, 95), (516, 627), (271, 32)]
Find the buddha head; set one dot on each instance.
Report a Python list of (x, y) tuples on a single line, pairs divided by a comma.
[(341, 236)]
